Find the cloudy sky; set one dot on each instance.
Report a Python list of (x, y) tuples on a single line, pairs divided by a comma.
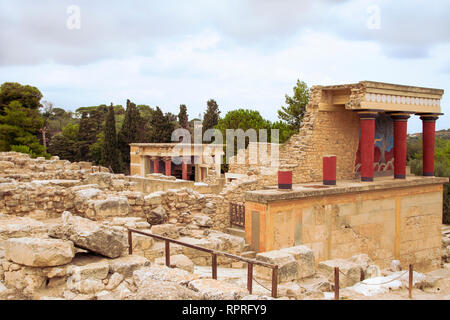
[(242, 53)]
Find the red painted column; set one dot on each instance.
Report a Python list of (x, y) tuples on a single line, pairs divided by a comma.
[(367, 125), (184, 170), (329, 170), (400, 130), (168, 167), (428, 131), (155, 164), (284, 179)]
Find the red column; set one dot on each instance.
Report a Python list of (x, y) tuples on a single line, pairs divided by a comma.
[(284, 179), (155, 164), (329, 170), (400, 129), (367, 124), (168, 167), (428, 131), (184, 170)]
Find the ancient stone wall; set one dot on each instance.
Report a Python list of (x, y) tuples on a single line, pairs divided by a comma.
[(321, 133)]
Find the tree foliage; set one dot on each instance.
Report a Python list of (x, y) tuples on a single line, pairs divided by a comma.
[(212, 115), (131, 131), (295, 109), (183, 117), (160, 128), (110, 155), (28, 96)]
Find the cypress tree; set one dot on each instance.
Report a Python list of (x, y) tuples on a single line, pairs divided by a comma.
[(110, 148), (130, 132), (183, 116), (211, 117), (161, 127)]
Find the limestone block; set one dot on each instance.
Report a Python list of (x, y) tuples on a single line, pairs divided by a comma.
[(36, 252), (114, 281), (162, 273), (163, 290), (211, 289), (287, 266), (372, 271), (395, 266), (166, 230), (110, 207), (95, 270), (91, 235), (157, 216), (203, 220), (351, 273), (305, 260), (128, 264), (179, 261)]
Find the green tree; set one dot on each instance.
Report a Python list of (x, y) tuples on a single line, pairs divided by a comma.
[(64, 144), (161, 127), (243, 119), (131, 131), (19, 126), (28, 96), (285, 131), (91, 124), (110, 148), (183, 117), (296, 106), (212, 115)]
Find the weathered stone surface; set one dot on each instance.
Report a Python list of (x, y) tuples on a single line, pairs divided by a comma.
[(18, 227), (35, 252), (351, 273), (162, 273), (114, 281), (372, 271), (91, 235), (178, 261), (128, 264), (94, 270), (86, 286), (166, 230), (157, 216), (163, 290), (287, 266), (305, 260), (395, 266), (110, 207), (211, 289), (203, 220)]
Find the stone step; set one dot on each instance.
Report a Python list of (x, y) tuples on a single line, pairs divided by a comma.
[(236, 232)]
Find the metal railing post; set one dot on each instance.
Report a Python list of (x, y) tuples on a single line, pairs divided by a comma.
[(167, 247), (214, 266), (274, 281), (336, 283), (130, 242), (250, 277), (410, 280)]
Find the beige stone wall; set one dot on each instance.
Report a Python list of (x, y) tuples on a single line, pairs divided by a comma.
[(321, 133), (401, 224)]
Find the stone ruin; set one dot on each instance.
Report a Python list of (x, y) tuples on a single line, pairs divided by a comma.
[(63, 235)]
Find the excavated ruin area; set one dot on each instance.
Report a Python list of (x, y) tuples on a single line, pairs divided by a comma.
[(63, 235)]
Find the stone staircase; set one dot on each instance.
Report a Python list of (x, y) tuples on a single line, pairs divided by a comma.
[(247, 252)]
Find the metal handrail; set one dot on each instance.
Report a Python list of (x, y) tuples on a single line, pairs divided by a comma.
[(214, 254)]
